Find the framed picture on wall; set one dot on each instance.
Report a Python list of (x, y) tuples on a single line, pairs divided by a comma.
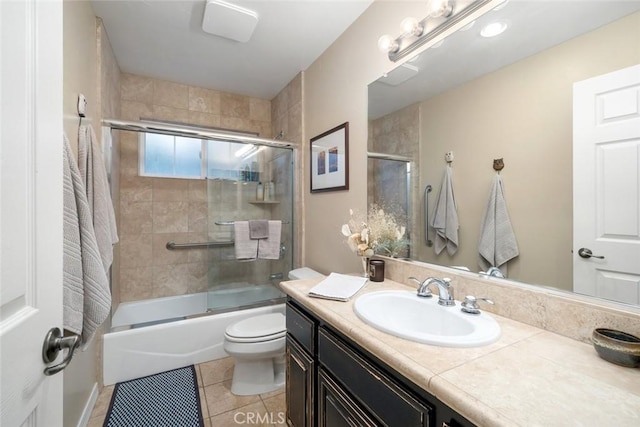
[(330, 160)]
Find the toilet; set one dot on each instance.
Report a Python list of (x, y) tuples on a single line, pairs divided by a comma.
[(258, 346)]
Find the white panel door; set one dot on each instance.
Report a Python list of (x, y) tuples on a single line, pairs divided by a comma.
[(606, 186), (30, 208)]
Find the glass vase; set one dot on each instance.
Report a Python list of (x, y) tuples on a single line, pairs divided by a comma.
[(365, 266)]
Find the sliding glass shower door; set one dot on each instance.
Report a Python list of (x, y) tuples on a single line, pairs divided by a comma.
[(248, 185)]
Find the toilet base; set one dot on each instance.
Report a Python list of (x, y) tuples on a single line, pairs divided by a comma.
[(257, 376)]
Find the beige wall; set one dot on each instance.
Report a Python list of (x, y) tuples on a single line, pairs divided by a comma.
[(335, 91), (522, 113), (80, 76)]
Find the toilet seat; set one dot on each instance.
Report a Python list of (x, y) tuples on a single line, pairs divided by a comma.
[(266, 327)]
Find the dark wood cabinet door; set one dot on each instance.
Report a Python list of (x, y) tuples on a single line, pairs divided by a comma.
[(336, 408), (300, 385)]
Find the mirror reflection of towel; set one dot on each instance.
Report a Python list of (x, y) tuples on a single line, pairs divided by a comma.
[(497, 240), (445, 217)]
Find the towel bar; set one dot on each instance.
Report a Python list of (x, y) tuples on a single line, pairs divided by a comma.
[(232, 222), (427, 190), (172, 245)]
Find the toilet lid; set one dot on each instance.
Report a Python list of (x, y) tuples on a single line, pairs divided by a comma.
[(261, 326)]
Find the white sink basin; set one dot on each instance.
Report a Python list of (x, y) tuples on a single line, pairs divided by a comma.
[(405, 315)]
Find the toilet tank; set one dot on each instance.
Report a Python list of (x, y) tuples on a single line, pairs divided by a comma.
[(304, 273)]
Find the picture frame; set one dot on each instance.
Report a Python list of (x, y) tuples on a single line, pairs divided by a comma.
[(329, 157)]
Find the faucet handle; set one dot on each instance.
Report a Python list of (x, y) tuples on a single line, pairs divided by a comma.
[(423, 288), (470, 304)]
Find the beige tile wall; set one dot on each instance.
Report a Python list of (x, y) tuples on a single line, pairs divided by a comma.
[(287, 116), (156, 210)]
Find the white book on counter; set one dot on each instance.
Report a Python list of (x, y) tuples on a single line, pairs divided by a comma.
[(339, 287)]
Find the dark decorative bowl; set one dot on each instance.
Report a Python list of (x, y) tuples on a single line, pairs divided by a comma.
[(617, 347)]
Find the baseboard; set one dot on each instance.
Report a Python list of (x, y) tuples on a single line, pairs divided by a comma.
[(88, 408)]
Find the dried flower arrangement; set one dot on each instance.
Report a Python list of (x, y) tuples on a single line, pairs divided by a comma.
[(376, 233)]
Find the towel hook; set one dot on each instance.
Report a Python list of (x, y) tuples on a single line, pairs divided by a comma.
[(498, 164), (448, 157)]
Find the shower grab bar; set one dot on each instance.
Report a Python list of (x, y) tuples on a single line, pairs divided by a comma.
[(427, 190), (233, 222), (173, 245)]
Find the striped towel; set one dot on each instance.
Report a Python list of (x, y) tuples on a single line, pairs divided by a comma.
[(86, 294)]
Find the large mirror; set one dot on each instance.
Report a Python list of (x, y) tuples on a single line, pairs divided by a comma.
[(508, 97)]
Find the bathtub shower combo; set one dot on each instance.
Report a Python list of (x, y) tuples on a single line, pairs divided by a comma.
[(204, 288)]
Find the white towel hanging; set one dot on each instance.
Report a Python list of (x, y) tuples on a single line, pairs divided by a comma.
[(497, 240), (445, 217)]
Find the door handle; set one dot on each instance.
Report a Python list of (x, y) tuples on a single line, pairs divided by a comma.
[(53, 345), (586, 253)]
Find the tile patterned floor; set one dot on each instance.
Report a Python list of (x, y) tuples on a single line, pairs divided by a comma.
[(220, 408)]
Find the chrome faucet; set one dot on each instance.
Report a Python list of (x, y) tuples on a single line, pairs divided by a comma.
[(494, 272), (423, 291), (445, 290)]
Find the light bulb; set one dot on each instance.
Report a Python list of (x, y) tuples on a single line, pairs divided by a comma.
[(386, 44), (493, 29), (411, 26), (439, 8)]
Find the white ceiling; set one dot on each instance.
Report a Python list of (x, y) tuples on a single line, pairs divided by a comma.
[(164, 39), (534, 25)]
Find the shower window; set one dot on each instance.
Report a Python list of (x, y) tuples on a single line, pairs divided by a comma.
[(171, 156), (168, 156)]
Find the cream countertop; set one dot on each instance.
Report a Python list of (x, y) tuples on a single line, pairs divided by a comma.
[(529, 377)]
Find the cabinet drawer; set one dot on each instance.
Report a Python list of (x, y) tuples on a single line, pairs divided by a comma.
[(376, 391), (301, 327)]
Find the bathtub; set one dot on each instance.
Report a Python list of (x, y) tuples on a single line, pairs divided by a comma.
[(133, 352)]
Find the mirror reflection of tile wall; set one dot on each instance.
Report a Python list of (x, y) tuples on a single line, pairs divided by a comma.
[(396, 133)]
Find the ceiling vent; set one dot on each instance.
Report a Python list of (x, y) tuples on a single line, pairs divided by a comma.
[(229, 21)]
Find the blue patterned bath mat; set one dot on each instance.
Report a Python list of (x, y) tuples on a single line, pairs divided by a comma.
[(167, 399)]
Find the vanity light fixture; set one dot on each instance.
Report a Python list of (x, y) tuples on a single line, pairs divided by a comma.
[(493, 29), (441, 15)]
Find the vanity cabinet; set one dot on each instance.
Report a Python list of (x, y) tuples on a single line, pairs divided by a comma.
[(332, 382), (301, 368)]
